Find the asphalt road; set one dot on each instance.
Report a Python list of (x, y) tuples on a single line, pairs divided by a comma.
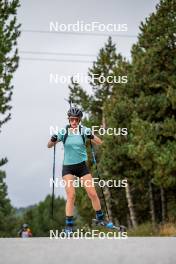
[(84, 251)]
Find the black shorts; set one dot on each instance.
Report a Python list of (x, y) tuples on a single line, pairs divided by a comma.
[(79, 169)]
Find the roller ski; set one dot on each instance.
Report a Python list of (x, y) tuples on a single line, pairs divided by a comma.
[(109, 225)]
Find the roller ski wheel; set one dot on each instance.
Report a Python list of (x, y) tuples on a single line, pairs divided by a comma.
[(109, 225)]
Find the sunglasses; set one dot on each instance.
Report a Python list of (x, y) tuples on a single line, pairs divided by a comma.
[(72, 119)]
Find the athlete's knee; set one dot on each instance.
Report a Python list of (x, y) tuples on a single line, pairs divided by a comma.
[(92, 195), (71, 196)]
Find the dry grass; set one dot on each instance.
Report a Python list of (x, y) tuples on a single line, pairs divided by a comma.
[(146, 229), (168, 229)]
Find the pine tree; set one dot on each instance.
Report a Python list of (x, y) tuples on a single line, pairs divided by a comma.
[(154, 123), (108, 64), (102, 68), (9, 32), (146, 106), (118, 110)]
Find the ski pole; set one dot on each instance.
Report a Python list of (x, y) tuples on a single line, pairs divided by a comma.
[(95, 162), (52, 201)]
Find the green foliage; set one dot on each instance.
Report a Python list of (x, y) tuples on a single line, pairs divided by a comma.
[(154, 66), (7, 216), (40, 219), (9, 32), (146, 106), (143, 230)]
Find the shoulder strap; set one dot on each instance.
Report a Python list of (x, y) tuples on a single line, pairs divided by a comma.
[(80, 131), (66, 134), (82, 134)]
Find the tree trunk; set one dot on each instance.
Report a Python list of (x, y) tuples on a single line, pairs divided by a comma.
[(129, 221), (163, 205), (130, 205), (107, 195), (152, 206)]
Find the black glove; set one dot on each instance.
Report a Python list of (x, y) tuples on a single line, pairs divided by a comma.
[(54, 138), (90, 136)]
